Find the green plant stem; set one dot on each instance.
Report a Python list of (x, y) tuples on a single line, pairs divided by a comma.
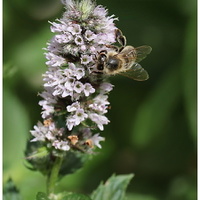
[(52, 179)]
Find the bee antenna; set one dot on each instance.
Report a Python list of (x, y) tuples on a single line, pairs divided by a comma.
[(94, 55), (120, 37), (103, 51)]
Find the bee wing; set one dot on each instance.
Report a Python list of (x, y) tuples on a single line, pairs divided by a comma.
[(137, 54), (142, 52), (136, 73)]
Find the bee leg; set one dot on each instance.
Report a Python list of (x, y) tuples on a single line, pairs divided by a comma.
[(120, 49), (96, 73), (103, 51), (94, 56), (112, 47)]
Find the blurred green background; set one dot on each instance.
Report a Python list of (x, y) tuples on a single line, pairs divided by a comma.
[(153, 124)]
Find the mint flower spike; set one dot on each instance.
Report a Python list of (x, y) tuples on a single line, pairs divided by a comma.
[(75, 99)]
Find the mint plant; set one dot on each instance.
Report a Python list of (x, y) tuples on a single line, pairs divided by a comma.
[(75, 98)]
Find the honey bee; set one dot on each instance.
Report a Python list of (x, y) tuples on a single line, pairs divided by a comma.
[(123, 60)]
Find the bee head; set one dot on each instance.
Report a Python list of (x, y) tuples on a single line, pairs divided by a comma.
[(101, 61), (113, 63)]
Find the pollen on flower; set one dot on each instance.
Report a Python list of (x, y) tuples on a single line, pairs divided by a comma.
[(89, 143), (94, 141), (73, 139), (47, 122)]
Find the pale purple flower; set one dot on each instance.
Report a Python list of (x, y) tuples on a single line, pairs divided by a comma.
[(39, 132), (78, 87), (47, 108), (48, 132), (62, 145), (85, 59), (80, 73), (100, 12), (89, 35), (50, 136), (53, 77), (106, 87), (100, 120), (53, 47), (103, 38), (54, 60), (63, 38), (74, 29), (92, 49), (58, 91), (83, 48), (71, 66), (88, 89), (67, 72), (96, 139), (100, 104), (58, 27), (73, 107), (76, 119), (79, 40), (71, 49), (80, 116), (71, 122), (47, 103), (69, 84), (64, 92)]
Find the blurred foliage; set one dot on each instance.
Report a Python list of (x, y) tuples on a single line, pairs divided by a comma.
[(153, 124), (63, 196), (10, 192), (113, 189)]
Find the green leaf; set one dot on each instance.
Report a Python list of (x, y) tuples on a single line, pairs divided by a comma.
[(40, 153), (72, 162), (70, 196), (38, 156), (41, 196), (10, 192), (113, 189), (140, 197), (75, 197)]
